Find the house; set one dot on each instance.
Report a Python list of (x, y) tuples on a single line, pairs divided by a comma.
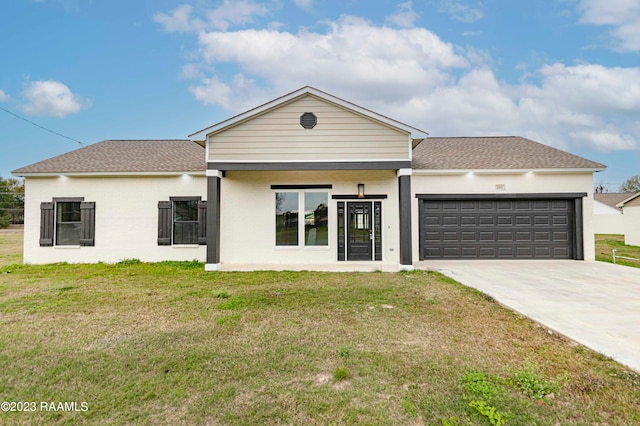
[(310, 181), (607, 217), (631, 212)]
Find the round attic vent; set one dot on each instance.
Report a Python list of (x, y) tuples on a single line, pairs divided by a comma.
[(308, 120)]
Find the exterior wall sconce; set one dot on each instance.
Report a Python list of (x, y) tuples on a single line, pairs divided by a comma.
[(361, 190)]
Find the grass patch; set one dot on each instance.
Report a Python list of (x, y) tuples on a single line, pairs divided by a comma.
[(606, 243), (169, 343)]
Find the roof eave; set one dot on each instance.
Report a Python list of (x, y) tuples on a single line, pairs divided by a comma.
[(418, 171), (109, 174), (623, 202), (307, 90)]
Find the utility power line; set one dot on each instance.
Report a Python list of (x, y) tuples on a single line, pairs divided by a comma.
[(42, 127)]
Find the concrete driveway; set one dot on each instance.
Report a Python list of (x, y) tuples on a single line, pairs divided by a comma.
[(593, 303)]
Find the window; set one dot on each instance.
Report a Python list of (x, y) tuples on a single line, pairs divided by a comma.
[(182, 220), (286, 218), (289, 229), (316, 219), (185, 222), (67, 222)]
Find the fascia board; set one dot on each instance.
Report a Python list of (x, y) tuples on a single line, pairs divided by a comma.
[(109, 174), (419, 172), (623, 202)]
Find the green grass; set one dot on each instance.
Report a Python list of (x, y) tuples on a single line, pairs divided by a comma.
[(10, 246), (606, 243), (168, 343)]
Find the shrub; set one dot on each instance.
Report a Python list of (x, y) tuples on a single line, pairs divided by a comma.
[(5, 220)]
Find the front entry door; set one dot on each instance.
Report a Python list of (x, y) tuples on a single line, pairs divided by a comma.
[(359, 231)]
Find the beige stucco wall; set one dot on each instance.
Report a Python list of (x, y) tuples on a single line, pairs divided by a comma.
[(247, 222), (608, 224), (531, 182), (339, 135), (126, 217), (632, 222)]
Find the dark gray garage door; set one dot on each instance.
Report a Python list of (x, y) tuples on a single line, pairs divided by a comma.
[(497, 228)]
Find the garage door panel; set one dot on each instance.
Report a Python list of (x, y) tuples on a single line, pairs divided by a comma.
[(496, 229), (557, 220), (450, 236), (506, 237), (505, 221), (486, 236), (561, 252), (432, 220), (486, 205), (542, 236), (541, 205), (468, 221), (540, 220), (562, 205), (449, 220), (468, 236), (487, 221)]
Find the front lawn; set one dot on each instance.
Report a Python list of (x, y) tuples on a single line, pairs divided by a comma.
[(168, 343)]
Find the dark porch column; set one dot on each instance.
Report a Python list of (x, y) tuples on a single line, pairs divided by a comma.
[(404, 193), (213, 220)]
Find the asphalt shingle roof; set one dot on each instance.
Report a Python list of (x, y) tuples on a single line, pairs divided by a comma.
[(473, 153), (612, 198), (126, 156), (504, 152)]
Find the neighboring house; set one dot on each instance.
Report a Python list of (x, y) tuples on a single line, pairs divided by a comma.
[(631, 211), (310, 181), (607, 217)]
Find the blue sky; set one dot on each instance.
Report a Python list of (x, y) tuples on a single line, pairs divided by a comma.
[(565, 73)]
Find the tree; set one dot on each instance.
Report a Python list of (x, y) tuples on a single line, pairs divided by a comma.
[(631, 185), (11, 201)]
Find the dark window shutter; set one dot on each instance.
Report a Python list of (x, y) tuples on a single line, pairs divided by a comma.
[(87, 223), (47, 224), (164, 222), (202, 223)]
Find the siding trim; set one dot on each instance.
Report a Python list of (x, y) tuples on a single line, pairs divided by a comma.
[(532, 196), (355, 197), (327, 186), (303, 165)]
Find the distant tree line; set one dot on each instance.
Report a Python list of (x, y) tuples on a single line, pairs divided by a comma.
[(11, 202), (630, 185)]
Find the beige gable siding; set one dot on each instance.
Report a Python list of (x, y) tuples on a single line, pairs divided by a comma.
[(634, 202), (339, 135)]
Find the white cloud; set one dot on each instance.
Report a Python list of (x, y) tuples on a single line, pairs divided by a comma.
[(51, 98), (414, 76), (304, 4), (462, 12), (179, 20), (622, 16), (405, 17), (353, 55), (3, 96), (229, 13)]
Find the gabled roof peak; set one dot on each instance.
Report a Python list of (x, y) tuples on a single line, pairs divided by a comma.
[(308, 90)]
